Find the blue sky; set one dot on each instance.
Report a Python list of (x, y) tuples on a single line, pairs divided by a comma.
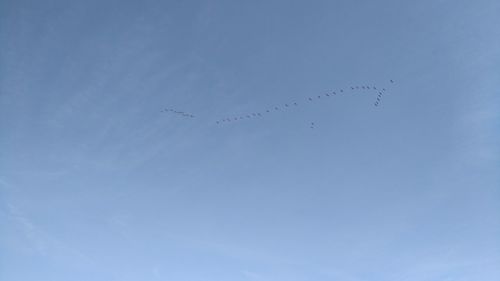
[(97, 184)]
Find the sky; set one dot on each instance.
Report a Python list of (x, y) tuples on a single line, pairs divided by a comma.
[(97, 183)]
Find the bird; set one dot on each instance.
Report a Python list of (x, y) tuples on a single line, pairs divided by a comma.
[(392, 81), (310, 99)]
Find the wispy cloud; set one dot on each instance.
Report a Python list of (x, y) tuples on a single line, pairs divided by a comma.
[(44, 244)]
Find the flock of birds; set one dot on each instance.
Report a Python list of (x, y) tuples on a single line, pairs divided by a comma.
[(179, 113), (290, 105)]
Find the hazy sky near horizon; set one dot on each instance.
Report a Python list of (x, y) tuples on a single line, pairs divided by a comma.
[(97, 184)]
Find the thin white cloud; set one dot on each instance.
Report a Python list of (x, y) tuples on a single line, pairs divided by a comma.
[(43, 243)]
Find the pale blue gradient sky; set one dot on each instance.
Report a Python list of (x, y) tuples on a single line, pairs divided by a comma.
[(96, 184)]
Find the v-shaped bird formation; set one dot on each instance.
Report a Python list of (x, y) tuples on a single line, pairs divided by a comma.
[(291, 105), (287, 106)]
